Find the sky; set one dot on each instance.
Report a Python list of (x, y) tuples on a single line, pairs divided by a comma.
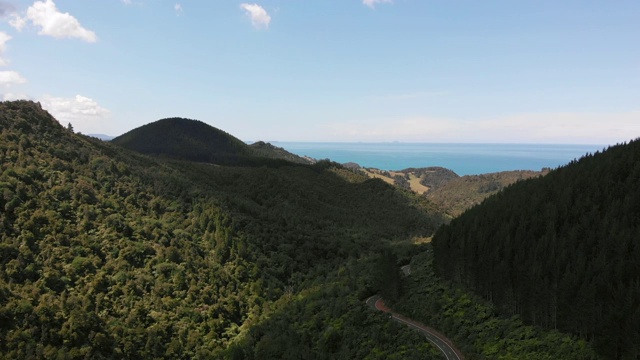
[(526, 71)]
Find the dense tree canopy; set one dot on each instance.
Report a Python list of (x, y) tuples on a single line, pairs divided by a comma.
[(562, 251), (108, 254), (473, 324)]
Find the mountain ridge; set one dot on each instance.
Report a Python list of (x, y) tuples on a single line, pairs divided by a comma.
[(560, 251), (109, 253)]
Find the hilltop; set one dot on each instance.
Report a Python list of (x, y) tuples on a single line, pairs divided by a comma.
[(194, 140)]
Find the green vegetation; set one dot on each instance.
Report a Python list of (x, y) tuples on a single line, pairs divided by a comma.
[(433, 177), (458, 194), (193, 140), (108, 253), (444, 188), (184, 139), (329, 321), (473, 324), (561, 251), (105, 253), (267, 150)]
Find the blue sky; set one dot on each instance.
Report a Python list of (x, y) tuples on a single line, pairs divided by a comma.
[(333, 70)]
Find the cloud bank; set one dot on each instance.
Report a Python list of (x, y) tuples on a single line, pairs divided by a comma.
[(13, 97), (550, 128), (260, 19), (8, 78), (52, 22), (76, 109)]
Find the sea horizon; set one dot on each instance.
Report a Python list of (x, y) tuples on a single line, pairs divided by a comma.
[(462, 158)]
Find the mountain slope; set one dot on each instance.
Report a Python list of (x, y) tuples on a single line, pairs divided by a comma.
[(268, 150), (106, 253), (451, 193), (461, 193), (184, 139), (561, 251)]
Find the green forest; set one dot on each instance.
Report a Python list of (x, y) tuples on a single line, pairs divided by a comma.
[(561, 251), (473, 323), (108, 253)]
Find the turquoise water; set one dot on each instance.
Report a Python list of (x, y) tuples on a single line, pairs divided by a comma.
[(464, 159)]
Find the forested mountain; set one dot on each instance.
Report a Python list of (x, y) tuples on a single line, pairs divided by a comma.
[(193, 140), (106, 253), (561, 251)]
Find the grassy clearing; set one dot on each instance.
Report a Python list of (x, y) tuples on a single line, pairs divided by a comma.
[(416, 186)]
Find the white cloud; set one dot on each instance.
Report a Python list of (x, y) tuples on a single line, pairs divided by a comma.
[(178, 8), (17, 22), (4, 37), (13, 97), (126, 2), (372, 3), (7, 10), (8, 78), (573, 128), (52, 22), (259, 16), (76, 109)]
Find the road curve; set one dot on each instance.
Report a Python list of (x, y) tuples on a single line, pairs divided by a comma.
[(440, 341)]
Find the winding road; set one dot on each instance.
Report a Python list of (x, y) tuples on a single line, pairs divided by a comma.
[(440, 341)]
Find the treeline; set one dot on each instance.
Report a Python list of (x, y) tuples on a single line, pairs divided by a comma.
[(108, 254), (562, 251), (473, 324)]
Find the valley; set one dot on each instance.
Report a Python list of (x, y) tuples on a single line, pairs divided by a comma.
[(140, 248)]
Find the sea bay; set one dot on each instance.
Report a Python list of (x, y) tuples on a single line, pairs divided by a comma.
[(464, 159)]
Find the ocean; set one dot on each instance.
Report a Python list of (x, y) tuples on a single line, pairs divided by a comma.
[(463, 159)]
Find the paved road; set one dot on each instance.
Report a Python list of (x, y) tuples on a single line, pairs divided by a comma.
[(439, 340), (406, 270)]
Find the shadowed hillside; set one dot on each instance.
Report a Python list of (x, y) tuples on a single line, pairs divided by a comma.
[(561, 251), (193, 140), (184, 139)]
